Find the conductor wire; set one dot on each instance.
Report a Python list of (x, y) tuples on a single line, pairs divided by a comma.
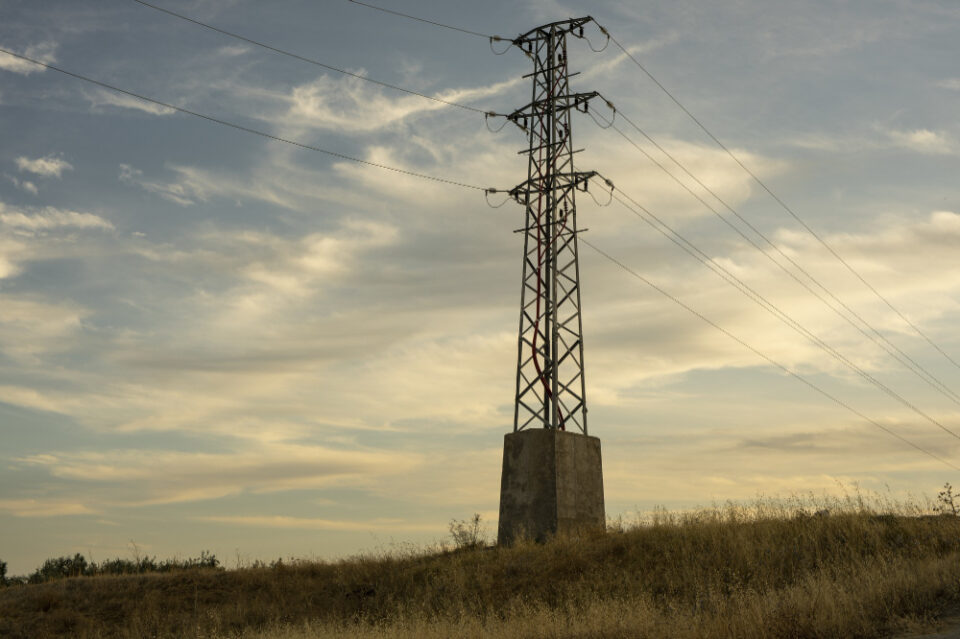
[(836, 307), (784, 205), (436, 24), (765, 357), (240, 127), (309, 60)]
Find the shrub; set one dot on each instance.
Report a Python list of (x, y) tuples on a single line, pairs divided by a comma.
[(468, 534), (945, 500), (60, 568), (77, 566)]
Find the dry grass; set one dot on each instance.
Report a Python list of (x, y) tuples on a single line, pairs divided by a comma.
[(772, 570), (861, 601)]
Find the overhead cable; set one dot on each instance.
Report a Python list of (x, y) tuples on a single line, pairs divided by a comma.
[(782, 204), (240, 127), (874, 335), (770, 307), (436, 24), (765, 357), (312, 61)]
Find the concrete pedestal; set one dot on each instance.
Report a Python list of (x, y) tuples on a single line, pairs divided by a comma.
[(552, 483)]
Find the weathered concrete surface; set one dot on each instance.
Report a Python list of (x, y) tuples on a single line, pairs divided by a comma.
[(552, 483)]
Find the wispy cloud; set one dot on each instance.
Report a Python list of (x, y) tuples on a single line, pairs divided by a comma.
[(25, 185), (51, 218), (352, 104), (8, 268), (102, 97), (48, 166), (316, 523), (923, 141), (43, 52), (233, 50), (908, 257), (43, 508), (192, 185), (611, 65), (157, 476), (177, 193)]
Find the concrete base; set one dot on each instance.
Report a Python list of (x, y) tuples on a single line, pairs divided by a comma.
[(552, 483)]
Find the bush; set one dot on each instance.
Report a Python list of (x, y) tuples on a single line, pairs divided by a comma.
[(77, 566), (3, 573), (468, 534), (60, 568), (945, 500)]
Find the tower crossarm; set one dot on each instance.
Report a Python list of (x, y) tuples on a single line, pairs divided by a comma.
[(557, 104), (564, 183), (573, 25)]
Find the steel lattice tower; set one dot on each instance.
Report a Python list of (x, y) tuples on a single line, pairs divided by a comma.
[(551, 389), (552, 482)]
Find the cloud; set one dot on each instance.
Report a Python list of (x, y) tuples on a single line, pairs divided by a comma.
[(7, 267), (176, 193), (147, 477), (50, 218), (49, 166), (32, 328), (351, 104), (635, 175), (923, 141), (43, 508), (232, 50), (953, 84), (43, 52), (905, 260), (637, 50), (102, 97), (192, 186), (28, 398), (35, 234), (314, 260), (25, 185), (315, 523)]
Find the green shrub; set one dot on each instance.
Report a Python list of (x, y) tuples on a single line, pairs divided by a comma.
[(77, 566)]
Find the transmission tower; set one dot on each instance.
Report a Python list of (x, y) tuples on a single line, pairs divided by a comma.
[(552, 480), (551, 388)]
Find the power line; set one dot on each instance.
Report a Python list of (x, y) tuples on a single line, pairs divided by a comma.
[(770, 307), (779, 201), (436, 24), (312, 61), (768, 359), (878, 338), (243, 128), (935, 381), (786, 318), (722, 146)]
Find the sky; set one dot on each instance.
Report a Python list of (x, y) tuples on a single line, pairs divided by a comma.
[(210, 340)]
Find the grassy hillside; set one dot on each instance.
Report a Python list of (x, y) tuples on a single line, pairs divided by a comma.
[(769, 571)]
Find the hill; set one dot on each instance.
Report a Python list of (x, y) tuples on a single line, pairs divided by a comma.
[(767, 571)]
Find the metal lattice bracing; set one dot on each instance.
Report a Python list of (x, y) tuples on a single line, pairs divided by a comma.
[(551, 389)]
